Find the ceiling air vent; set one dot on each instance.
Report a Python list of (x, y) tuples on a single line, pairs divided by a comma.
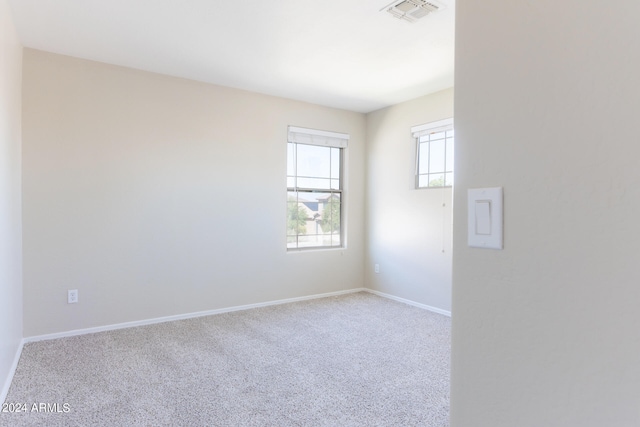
[(412, 10)]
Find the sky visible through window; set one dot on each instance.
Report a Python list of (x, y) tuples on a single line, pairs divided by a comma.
[(314, 196), (435, 159)]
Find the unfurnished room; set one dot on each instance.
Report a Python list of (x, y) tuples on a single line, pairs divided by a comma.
[(345, 213)]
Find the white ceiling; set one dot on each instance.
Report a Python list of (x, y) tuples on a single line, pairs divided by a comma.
[(340, 53)]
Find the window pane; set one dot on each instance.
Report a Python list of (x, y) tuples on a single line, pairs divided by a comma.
[(449, 165), (297, 216), (335, 163), (319, 183), (290, 159), (448, 179), (436, 156), (307, 241), (423, 159), (330, 239), (435, 159), (313, 161), (329, 209), (436, 180), (437, 136), (313, 217)]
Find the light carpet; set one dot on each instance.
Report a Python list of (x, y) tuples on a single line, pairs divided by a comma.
[(351, 360)]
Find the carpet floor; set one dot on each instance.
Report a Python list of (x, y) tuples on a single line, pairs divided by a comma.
[(350, 360)]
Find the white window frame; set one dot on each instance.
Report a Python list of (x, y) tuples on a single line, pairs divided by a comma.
[(419, 134), (305, 136)]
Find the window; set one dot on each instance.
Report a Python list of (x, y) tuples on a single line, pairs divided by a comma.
[(434, 159), (314, 188)]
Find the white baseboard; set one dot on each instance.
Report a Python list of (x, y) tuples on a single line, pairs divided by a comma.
[(144, 322), (413, 303), (12, 371), (180, 317), (7, 384)]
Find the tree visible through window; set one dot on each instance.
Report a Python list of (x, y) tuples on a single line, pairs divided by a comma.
[(314, 188), (434, 163)]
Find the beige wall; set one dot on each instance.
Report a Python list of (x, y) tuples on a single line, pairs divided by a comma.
[(156, 196), (10, 205), (407, 229), (546, 331)]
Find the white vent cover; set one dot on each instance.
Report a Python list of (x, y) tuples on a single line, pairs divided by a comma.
[(412, 10)]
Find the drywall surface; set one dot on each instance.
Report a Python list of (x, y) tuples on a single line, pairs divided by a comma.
[(545, 332), (156, 196), (10, 204), (409, 230)]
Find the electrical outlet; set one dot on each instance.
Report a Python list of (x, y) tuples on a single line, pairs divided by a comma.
[(377, 268), (72, 296)]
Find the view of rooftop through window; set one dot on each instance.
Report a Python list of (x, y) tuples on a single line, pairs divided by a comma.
[(314, 199)]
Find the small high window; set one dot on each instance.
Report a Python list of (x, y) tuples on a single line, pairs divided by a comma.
[(434, 158), (315, 188)]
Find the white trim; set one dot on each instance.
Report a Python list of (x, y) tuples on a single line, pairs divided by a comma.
[(12, 372), (16, 359), (439, 126), (317, 137), (409, 302), (181, 316)]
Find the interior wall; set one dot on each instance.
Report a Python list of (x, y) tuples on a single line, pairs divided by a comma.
[(545, 332), (156, 196), (409, 231), (10, 197)]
